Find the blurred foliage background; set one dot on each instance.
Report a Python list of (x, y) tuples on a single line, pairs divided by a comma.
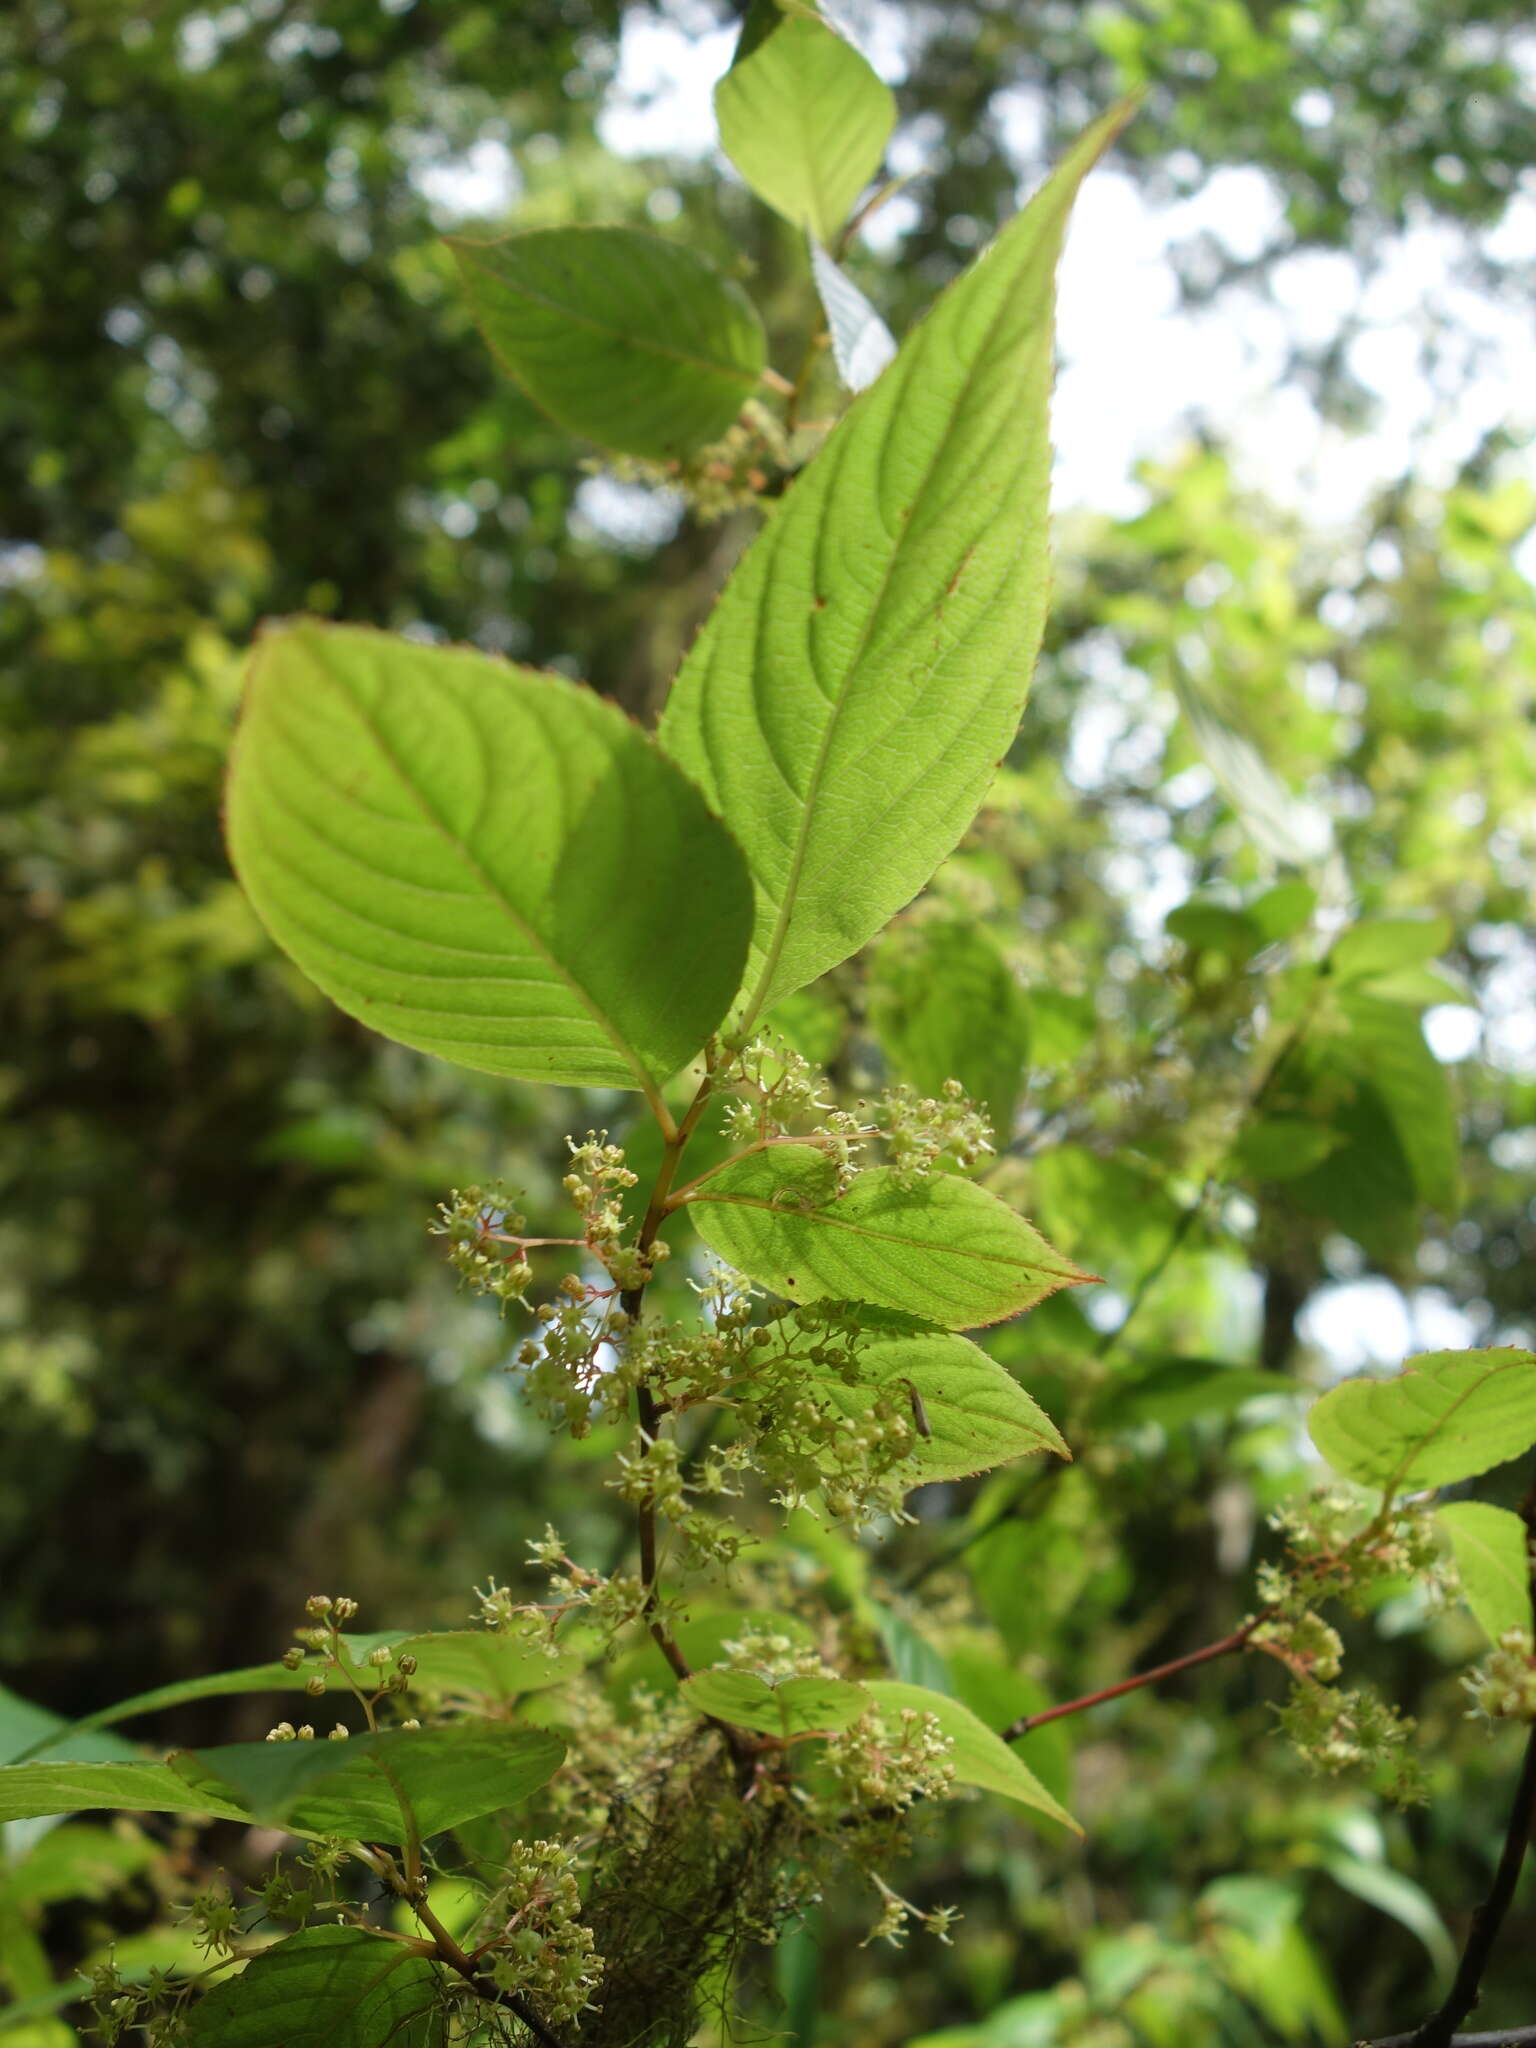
[(239, 382)]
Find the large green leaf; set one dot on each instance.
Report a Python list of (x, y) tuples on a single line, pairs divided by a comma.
[(943, 1249), (976, 1413), (327, 1987), (786, 1708), (380, 1787), (452, 1661), (619, 336), (27, 1790), (980, 1757), (945, 1006), (1447, 1416), (28, 1731), (848, 701), (802, 116), (487, 863), (1373, 1081), (1492, 1553)]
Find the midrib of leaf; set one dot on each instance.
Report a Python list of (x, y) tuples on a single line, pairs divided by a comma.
[(775, 949), (1422, 1443), (466, 855), (638, 342), (856, 1229)]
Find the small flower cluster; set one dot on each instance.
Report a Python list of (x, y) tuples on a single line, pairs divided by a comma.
[(890, 1761), (485, 1247), (568, 1374), (1336, 1550), (597, 1182), (153, 2008), (1503, 1687), (1334, 1729), (754, 455), (532, 1933), (778, 1091), (322, 1652), (899, 1915), (611, 1600), (775, 1088), (920, 1130)]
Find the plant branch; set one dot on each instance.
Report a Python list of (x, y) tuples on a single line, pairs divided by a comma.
[(1501, 2037), (1439, 2030), (1238, 1640), (452, 1954)]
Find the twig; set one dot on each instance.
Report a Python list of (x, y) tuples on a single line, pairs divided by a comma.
[(1501, 2037), (1439, 2030), (1238, 1640)]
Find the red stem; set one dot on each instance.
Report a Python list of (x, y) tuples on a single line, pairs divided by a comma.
[(1238, 1640)]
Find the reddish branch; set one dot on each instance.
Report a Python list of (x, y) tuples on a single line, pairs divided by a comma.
[(1238, 1640)]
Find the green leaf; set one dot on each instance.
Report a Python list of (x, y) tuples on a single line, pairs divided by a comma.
[(980, 1757), (1492, 1555), (28, 1731), (380, 1787), (1386, 944), (1374, 1081), (976, 1412), (1280, 1148), (847, 703), (910, 1655), (802, 116), (1216, 928), (29, 1790), (327, 1987), (1449, 1415), (943, 1249), (786, 1708), (1390, 1892), (999, 1696), (945, 1006), (1178, 1390), (623, 338), (497, 1664), (482, 862)]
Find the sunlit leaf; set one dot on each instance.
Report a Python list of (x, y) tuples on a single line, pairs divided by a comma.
[(943, 1248), (483, 862), (1447, 1416), (854, 689), (1492, 1553), (803, 117)]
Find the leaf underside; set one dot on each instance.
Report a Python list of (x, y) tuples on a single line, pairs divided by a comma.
[(943, 1249), (621, 337), (1447, 1416), (483, 862), (848, 700)]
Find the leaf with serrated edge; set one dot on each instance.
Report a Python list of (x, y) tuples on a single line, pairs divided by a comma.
[(846, 705), (943, 1248), (624, 338), (326, 1987), (1447, 1416), (483, 862), (980, 1758), (976, 1413), (1492, 1553), (380, 1786), (788, 1707), (30, 1790), (802, 116)]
